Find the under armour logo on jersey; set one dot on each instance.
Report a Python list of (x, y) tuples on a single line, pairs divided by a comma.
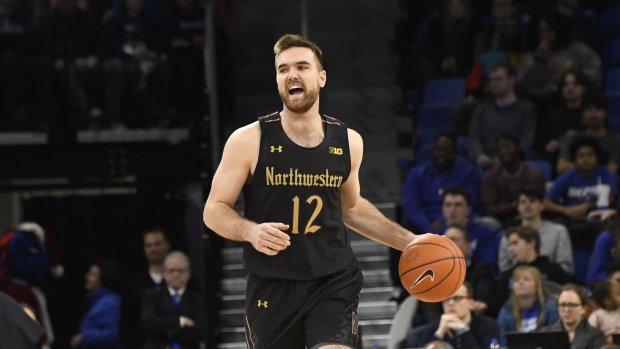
[(335, 151), (263, 304), (276, 149)]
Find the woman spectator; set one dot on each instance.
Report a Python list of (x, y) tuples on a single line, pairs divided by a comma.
[(572, 305), (607, 318), (99, 327), (528, 308)]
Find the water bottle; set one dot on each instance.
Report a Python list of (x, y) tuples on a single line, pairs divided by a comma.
[(494, 344)]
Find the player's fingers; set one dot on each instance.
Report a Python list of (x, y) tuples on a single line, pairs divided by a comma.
[(279, 234), (274, 246), (279, 229)]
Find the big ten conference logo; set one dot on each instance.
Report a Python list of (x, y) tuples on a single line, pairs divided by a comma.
[(276, 149), (263, 304), (413, 256), (335, 151)]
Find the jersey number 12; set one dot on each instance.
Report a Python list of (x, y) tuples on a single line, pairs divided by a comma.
[(310, 228)]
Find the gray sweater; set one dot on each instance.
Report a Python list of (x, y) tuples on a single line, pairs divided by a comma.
[(554, 243), (490, 120)]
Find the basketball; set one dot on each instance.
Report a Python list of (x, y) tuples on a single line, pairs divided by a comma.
[(432, 268)]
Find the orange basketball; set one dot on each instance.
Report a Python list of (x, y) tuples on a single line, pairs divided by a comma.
[(432, 268)]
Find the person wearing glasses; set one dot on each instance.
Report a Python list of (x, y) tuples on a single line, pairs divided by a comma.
[(528, 308), (572, 306), (458, 325), (174, 317)]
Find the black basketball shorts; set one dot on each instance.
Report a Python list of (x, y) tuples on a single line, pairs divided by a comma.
[(298, 314)]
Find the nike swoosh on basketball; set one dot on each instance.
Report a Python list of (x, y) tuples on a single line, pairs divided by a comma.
[(428, 272)]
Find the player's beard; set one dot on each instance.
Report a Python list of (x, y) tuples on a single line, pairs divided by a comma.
[(303, 105)]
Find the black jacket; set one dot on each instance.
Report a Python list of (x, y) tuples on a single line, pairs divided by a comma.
[(160, 319), (481, 330)]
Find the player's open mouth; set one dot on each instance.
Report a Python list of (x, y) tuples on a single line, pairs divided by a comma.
[(295, 90)]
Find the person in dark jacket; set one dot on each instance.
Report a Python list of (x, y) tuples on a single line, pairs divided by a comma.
[(458, 325), (572, 305), (99, 327), (175, 316)]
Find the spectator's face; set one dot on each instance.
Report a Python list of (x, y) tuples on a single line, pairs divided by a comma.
[(524, 284), (520, 249), (570, 308), (502, 8), (571, 90), (585, 159), (176, 272), (529, 208), (455, 210), (92, 279), (460, 304), (443, 153), (594, 116), (299, 78), (456, 9), (155, 247), (615, 278), (458, 237), (545, 33), (500, 83), (134, 6), (508, 152), (615, 295)]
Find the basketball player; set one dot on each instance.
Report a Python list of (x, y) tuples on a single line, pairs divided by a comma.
[(298, 171)]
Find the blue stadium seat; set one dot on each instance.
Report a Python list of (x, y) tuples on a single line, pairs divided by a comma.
[(544, 167), (612, 82), (444, 91), (431, 121), (614, 59), (610, 26)]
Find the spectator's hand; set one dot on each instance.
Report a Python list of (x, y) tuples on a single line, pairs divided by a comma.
[(479, 307), (579, 210), (552, 146), (269, 238), (187, 322), (602, 215), (483, 160), (447, 323), (76, 340)]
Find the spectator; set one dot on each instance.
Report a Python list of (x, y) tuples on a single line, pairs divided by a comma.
[(554, 240), (504, 114), (458, 325), (456, 211), (606, 250), (540, 70), (572, 305), (595, 121), (613, 272), (426, 183), (448, 48), (564, 117), (135, 65), (503, 33), (72, 41), (502, 183), (156, 247), (174, 316), (99, 326), (606, 318), (479, 274), (529, 308), (438, 345), (580, 190), (524, 245), (184, 51)]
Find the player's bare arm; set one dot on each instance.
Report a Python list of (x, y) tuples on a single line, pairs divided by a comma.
[(235, 169), (362, 216)]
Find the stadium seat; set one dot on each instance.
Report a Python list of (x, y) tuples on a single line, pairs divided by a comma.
[(614, 59), (544, 167), (612, 82), (444, 91), (431, 121), (613, 115)]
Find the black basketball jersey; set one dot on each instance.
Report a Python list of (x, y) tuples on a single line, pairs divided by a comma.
[(300, 187)]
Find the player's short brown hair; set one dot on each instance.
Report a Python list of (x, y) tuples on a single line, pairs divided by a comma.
[(293, 40)]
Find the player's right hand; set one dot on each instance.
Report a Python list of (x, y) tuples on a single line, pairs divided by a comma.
[(269, 238)]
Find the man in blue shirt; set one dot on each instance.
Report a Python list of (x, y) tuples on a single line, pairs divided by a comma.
[(578, 191), (426, 183)]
